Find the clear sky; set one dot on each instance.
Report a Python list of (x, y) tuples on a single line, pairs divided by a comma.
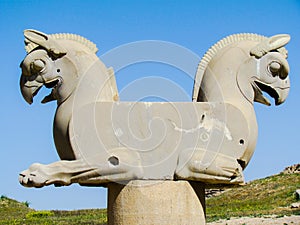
[(26, 131)]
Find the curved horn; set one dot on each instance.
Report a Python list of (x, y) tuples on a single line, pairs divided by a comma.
[(40, 39), (272, 43)]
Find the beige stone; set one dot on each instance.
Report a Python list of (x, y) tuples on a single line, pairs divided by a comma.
[(143, 202), (101, 140)]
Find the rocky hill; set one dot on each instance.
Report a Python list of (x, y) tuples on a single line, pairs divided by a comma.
[(275, 195)]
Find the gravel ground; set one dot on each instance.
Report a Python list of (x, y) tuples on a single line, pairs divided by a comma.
[(267, 220)]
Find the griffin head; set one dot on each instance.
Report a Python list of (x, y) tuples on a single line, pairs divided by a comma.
[(272, 70), (46, 65), (269, 71), (273, 79)]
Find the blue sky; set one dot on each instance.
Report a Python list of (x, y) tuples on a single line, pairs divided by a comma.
[(26, 131)]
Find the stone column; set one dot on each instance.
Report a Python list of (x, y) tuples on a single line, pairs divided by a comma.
[(145, 202)]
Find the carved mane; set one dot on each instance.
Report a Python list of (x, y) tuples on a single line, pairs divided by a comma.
[(66, 36), (86, 93), (216, 48)]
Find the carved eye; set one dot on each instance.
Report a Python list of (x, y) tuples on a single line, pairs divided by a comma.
[(275, 68), (37, 66)]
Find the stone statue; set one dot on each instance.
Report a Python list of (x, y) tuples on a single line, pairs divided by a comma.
[(101, 140)]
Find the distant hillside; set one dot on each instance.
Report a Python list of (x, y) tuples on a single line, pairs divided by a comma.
[(14, 212), (11, 209), (271, 195)]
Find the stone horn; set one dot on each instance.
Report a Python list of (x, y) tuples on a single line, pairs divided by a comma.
[(43, 40), (272, 43)]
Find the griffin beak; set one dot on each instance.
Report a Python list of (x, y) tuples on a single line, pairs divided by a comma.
[(29, 88), (278, 90), (282, 95)]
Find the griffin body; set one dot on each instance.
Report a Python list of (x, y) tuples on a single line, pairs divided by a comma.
[(101, 140)]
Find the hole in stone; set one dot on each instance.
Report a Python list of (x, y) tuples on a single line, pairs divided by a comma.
[(202, 118), (58, 70), (242, 163), (113, 160), (233, 177), (242, 141)]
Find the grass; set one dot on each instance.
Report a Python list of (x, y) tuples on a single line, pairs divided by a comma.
[(14, 212), (271, 195), (11, 209)]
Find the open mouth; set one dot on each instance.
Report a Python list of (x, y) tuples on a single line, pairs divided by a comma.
[(36, 91), (52, 84), (269, 90)]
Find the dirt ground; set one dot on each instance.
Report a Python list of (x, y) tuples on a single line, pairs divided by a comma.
[(267, 220)]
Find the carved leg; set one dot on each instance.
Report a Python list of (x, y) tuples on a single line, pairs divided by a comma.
[(119, 165), (57, 173), (210, 167)]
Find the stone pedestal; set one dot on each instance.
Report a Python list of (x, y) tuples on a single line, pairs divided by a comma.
[(142, 202)]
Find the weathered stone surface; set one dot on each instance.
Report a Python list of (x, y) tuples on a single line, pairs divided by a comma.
[(211, 139), (297, 194), (295, 205), (211, 192), (143, 202), (292, 169)]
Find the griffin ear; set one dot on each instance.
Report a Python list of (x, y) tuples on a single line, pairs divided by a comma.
[(36, 36), (279, 41), (40, 39), (272, 43)]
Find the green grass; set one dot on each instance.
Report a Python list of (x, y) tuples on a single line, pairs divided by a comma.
[(271, 195), (14, 212), (11, 209)]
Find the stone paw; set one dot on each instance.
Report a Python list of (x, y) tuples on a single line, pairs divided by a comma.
[(39, 175), (31, 177)]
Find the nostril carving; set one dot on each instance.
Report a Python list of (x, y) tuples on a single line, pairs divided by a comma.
[(113, 160)]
